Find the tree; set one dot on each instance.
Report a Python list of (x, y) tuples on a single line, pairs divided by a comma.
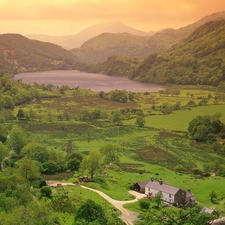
[(63, 204), (36, 152), (92, 163), (212, 195), (140, 121), (200, 127), (91, 212), (144, 203), (18, 138), (46, 192), (51, 167), (74, 160), (28, 169), (20, 115), (116, 118), (191, 103), (166, 108), (175, 216), (111, 153), (8, 102), (158, 199)]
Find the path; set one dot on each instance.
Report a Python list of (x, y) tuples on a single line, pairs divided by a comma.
[(129, 217)]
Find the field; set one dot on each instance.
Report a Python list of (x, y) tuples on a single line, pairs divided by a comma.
[(153, 150)]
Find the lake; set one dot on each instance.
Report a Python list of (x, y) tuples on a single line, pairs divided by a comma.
[(92, 81)]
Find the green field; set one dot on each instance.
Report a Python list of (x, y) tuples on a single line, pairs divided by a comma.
[(157, 148)]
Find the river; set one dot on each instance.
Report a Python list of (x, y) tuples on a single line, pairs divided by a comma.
[(94, 82)]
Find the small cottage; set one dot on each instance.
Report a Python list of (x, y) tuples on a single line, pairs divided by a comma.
[(140, 186), (170, 194)]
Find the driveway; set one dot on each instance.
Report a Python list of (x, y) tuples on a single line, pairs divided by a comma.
[(129, 217)]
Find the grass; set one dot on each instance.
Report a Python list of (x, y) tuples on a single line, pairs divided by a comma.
[(154, 150), (179, 120)]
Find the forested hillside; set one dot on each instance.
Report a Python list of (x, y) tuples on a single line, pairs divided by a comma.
[(99, 48), (105, 45), (199, 59), (20, 54)]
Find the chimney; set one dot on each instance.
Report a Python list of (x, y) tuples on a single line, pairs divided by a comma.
[(189, 190), (151, 179), (160, 182)]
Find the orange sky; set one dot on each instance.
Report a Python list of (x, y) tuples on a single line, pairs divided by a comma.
[(63, 17)]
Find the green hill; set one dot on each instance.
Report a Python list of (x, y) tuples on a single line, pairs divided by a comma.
[(99, 48), (199, 59), (116, 65), (20, 54)]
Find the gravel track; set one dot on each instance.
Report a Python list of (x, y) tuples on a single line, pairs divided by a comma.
[(129, 217)]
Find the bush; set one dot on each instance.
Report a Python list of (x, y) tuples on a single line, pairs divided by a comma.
[(144, 203), (46, 192)]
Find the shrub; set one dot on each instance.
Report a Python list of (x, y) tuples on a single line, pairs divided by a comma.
[(144, 203)]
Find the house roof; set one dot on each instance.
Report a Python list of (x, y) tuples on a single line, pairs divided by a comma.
[(189, 194), (143, 183), (162, 187), (208, 210)]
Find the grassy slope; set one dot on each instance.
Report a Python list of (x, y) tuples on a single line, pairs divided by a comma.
[(135, 142)]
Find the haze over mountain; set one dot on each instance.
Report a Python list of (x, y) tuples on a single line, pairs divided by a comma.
[(198, 59), (75, 41), (99, 48), (187, 62)]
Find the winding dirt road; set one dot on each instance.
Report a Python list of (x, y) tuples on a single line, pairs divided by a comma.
[(129, 217)]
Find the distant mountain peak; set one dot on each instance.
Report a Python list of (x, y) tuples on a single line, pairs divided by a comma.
[(75, 41)]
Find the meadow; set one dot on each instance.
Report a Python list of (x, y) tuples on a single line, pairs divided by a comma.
[(153, 150)]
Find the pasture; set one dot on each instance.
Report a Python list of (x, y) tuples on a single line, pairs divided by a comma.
[(153, 150)]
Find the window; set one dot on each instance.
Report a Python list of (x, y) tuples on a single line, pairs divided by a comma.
[(170, 195)]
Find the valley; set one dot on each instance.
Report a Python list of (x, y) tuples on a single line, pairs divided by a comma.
[(121, 109)]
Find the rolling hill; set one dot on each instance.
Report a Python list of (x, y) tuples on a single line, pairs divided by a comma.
[(75, 41), (198, 59), (20, 54), (99, 48)]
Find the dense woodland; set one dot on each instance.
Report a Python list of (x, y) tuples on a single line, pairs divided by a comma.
[(188, 62)]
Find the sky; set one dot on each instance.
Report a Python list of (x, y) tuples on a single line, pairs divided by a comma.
[(69, 17)]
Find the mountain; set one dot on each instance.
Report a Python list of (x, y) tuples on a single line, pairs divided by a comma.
[(183, 32), (75, 41), (99, 48), (197, 60), (20, 54), (67, 41)]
